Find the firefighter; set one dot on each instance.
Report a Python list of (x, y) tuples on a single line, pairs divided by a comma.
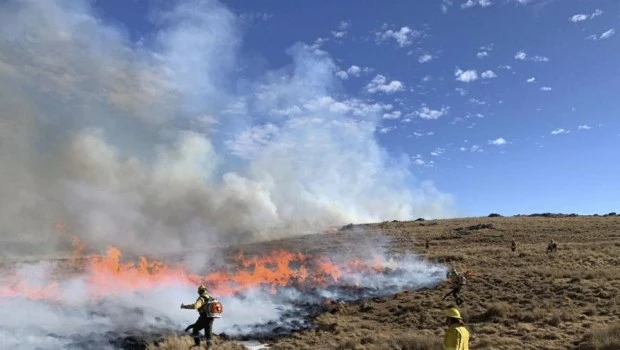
[(205, 319), (457, 280), (552, 247), (513, 245), (457, 336), (427, 244)]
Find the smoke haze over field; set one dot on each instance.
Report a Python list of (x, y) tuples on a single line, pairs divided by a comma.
[(158, 144), (106, 300)]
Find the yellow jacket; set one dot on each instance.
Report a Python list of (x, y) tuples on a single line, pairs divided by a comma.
[(457, 338), (200, 302)]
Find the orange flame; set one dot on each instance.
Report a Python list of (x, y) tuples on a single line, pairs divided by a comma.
[(108, 275)]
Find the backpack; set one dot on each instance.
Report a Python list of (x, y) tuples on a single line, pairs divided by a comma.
[(213, 308)]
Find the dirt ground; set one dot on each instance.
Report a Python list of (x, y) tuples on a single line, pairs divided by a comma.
[(527, 299)]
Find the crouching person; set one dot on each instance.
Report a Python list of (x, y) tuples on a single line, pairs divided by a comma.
[(208, 309), (457, 336)]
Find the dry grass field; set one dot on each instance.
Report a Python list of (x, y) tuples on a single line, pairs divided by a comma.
[(528, 299)]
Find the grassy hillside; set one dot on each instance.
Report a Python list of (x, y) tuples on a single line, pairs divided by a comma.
[(528, 299)]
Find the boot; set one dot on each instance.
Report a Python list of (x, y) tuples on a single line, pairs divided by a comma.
[(196, 343)]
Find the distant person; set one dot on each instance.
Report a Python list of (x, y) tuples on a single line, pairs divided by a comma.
[(208, 309), (426, 244), (457, 336), (513, 245), (457, 280), (552, 246)]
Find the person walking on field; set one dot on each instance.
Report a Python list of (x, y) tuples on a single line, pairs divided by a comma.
[(552, 246), (208, 309), (513, 245), (457, 336), (457, 280)]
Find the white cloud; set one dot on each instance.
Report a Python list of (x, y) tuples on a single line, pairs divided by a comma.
[(472, 3), (605, 35), (546, 88), (341, 32), (608, 34), (437, 152), (380, 84), (354, 71), (489, 74), (428, 113), (578, 18), (475, 148), (506, 67), (461, 91), (253, 17), (559, 131), (445, 5), (482, 54), (531, 80), (523, 56), (584, 127), (466, 76), (476, 101), (498, 142), (426, 58), (419, 160), (392, 115), (385, 130), (404, 36), (342, 75)]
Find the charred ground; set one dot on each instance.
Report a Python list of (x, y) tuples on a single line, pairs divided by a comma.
[(528, 299)]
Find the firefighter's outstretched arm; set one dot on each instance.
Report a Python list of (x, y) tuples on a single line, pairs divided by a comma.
[(195, 306)]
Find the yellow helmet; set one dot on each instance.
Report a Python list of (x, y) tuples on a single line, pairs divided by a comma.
[(453, 313), (202, 288)]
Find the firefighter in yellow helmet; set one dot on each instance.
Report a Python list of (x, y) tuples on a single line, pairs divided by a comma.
[(205, 320), (457, 336)]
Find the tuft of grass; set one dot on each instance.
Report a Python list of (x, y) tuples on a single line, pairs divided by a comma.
[(176, 342), (494, 312), (603, 338), (418, 342)]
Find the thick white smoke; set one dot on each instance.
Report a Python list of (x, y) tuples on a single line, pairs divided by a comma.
[(163, 144), (68, 317)]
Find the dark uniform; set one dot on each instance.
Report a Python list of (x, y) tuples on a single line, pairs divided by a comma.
[(552, 247), (204, 320), (457, 280), (513, 246)]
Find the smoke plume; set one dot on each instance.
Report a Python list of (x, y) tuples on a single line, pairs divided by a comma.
[(167, 142)]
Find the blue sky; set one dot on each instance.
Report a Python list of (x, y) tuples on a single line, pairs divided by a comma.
[(174, 119), (530, 125)]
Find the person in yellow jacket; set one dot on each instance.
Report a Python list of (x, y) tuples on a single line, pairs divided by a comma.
[(457, 336), (204, 320)]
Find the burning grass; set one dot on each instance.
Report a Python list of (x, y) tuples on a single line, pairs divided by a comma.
[(528, 299)]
